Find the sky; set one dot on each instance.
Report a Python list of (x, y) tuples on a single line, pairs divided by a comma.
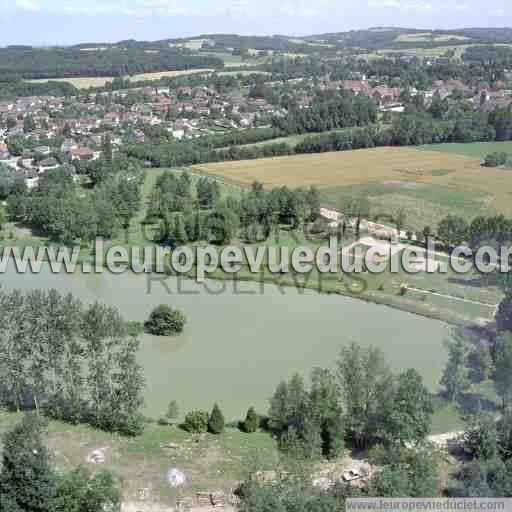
[(41, 22)]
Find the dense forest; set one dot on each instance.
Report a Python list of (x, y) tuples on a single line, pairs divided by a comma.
[(113, 61), (13, 88)]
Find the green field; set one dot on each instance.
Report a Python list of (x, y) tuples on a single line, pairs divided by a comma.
[(473, 149), (423, 204), (231, 61)]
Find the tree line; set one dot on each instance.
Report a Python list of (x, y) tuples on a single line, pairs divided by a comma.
[(15, 88), (187, 213), (65, 212), (360, 401), (69, 361), (409, 129), (455, 231)]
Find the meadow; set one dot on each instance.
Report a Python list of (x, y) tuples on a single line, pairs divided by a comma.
[(473, 150)]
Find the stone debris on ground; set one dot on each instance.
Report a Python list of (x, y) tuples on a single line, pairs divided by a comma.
[(96, 456), (175, 477)]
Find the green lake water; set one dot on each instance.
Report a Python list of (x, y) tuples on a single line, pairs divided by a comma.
[(237, 347)]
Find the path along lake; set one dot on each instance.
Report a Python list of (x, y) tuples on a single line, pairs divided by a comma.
[(238, 346)]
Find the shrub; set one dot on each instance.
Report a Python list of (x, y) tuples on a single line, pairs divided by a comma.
[(165, 321), (216, 421), (251, 422), (495, 159), (196, 422), (173, 411)]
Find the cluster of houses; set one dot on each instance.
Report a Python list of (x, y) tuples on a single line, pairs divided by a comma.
[(73, 129), (388, 98)]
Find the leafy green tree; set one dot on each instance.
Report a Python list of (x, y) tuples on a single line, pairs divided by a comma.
[(180, 233), (26, 481), (173, 411), (6, 183), (196, 422), (365, 381), (453, 230), (408, 412), (495, 159), (129, 385), (165, 321), (481, 437), (325, 410), (79, 491), (487, 478), (216, 421), (107, 149), (251, 422), (455, 377), (410, 473), (504, 313), (503, 379)]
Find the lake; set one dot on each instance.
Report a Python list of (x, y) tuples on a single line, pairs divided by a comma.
[(238, 346)]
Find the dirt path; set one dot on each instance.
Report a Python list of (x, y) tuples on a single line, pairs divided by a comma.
[(443, 440), (453, 297)]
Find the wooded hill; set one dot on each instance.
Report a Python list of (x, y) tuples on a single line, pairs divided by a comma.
[(107, 61)]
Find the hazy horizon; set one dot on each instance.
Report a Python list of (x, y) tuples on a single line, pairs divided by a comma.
[(47, 22)]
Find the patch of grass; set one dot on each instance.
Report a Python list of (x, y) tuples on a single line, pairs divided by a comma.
[(209, 463), (442, 172), (423, 204), (473, 149), (446, 418)]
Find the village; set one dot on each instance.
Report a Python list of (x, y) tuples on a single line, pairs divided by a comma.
[(43, 133)]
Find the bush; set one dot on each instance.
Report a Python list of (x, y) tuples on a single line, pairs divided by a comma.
[(196, 422), (165, 321), (173, 411), (216, 421), (251, 422), (495, 159)]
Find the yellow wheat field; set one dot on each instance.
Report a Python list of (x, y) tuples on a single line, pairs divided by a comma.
[(379, 165), (84, 82)]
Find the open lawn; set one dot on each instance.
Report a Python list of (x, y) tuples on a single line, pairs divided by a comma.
[(210, 463), (427, 184)]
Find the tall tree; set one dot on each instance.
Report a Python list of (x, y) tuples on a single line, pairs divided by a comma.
[(455, 377), (364, 380), (26, 481), (503, 380), (408, 412)]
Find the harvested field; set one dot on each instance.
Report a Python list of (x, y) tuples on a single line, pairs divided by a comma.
[(84, 82), (379, 165), (428, 184), (427, 37)]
